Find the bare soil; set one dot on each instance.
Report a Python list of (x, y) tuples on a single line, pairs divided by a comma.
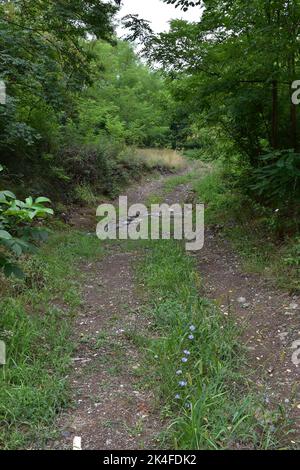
[(270, 321)]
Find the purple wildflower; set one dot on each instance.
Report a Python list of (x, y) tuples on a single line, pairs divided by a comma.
[(182, 383)]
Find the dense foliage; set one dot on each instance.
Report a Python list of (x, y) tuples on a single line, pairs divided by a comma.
[(232, 71), (79, 99), (76, 97), (84, 115), (18, 234), (43, 63)]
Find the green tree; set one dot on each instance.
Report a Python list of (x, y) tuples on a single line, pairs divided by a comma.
[(44, 63), (127, 101)]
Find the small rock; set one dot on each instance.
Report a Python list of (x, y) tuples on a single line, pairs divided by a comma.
[(283, 335), (293, 306), (120, 331)]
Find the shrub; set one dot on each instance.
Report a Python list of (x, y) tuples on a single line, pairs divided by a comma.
[(278, 177), (17, 232)]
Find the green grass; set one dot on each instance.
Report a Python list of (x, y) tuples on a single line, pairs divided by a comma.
[(215, 409), (174, 181), (35, 323), (198, 170), (255, 231), (84, 193)]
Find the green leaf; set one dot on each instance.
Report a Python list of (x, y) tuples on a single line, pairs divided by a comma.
[(13, 270), (16, 248), (41, 199), (29, 201), (5, 235), (8, 194), (36, 234)]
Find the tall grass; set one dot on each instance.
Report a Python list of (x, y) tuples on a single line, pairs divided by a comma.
[(259, 233), (35, 323), (206, 396), (162, 158)]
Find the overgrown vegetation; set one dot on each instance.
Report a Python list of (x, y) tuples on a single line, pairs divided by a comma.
[(266, 240), (161, 159), (84, 116), (35, 323), (195, 361), (231, 74), (75, 107), (264, 236), (17, 232)]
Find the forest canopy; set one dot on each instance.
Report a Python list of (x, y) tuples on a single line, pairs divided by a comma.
[(221, 84), (233, 72), (76, 95)]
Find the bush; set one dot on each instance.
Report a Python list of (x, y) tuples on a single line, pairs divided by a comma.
[(16, 230), (278, 177), (103, 168)]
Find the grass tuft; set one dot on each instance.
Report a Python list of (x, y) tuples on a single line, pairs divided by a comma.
[(161, 158)]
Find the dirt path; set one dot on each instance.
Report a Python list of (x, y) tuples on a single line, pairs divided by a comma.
[(111, 410), (271, 325)]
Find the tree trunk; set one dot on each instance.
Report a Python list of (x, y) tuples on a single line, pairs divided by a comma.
[(293, 109), (294, 143), (274, 139)]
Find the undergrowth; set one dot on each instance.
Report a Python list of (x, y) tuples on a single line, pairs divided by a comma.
[(35, 324), (262, 235)]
